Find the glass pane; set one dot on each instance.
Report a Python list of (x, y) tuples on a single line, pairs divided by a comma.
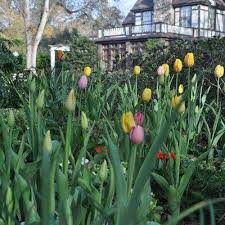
[(147, 17), (211, 18), (204, 18), (185, 19), (137, 20)]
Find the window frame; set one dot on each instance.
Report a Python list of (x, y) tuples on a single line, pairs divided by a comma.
[(180, 17), (140, 15)]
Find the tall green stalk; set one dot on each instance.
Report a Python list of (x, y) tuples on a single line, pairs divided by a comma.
[(67, 149)]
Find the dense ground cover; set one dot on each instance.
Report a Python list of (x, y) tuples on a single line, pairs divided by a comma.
[(99, 149)]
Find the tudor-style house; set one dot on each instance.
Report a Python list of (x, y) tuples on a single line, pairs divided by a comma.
[(163, 19)]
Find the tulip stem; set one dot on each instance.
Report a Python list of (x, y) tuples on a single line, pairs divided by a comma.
[(218, 91), (136, 90), (131, 168), (68, 144), (176, 83)]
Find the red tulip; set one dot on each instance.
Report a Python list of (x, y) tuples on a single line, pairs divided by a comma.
[(162, 156), (99, 149), (173, 155)]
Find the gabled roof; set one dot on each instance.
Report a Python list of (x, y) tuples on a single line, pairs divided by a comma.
[(217, 3), (130, 18), (141, 5)]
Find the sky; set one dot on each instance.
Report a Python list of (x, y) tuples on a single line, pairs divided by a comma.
[(124, 5)]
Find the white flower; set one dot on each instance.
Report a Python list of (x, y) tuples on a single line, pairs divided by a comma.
[(84, 161), (16, 54)]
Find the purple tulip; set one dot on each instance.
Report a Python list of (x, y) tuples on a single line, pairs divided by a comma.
[(139, 118), (137, 134), (83, 82)]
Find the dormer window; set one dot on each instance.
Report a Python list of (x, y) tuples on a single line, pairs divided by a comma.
[(143, 18), (185, 16)]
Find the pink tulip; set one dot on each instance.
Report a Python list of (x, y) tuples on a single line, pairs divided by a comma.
[(137, 134), (160, 71), (139, 118), (83, 82)]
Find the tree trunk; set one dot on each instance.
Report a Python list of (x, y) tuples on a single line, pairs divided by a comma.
[(33, 40)]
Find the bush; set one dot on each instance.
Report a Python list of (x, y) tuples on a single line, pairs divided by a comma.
[(8, 61)]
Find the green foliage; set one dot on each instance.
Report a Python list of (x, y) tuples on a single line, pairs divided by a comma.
[(82, 53), (8, 62)]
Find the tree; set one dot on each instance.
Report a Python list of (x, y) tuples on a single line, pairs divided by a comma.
[(36, 14)]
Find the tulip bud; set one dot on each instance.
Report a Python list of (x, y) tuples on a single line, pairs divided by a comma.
[(40, 100), (84, 121), (177, 102), (139, 118), (194, 78), (189, 60), (137, 134), (219, 71), (103, 172), (9, 200), (71, 101), (196, 109), (181, 89), (47, 146), (161, 79), (166, 69), (178, 66), (125, 89), (87, 71), (147, 95), (160, 71), (137, 70), (33, 86), (224, 88), (11, 119)]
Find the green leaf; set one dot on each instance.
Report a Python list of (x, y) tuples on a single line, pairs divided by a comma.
[(161, 181)]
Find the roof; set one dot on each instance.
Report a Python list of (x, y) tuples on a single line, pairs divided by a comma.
[(141, 5), (217, 3), (130, 18)]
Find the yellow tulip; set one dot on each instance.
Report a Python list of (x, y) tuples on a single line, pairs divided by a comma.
[(147, 95), (219, 71), (177, 102), (137, 70), (166, 69), (189, 60), (181, 89), (178, 66), (127, 122), (87, 71)]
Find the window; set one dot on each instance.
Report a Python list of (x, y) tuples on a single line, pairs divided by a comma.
[(138, 19), (185, 16), (143, 18), (207, 18), (147, 17), (220, 22), (211, 18)]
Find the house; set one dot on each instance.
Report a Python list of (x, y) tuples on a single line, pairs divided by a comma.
[(161, 19)]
